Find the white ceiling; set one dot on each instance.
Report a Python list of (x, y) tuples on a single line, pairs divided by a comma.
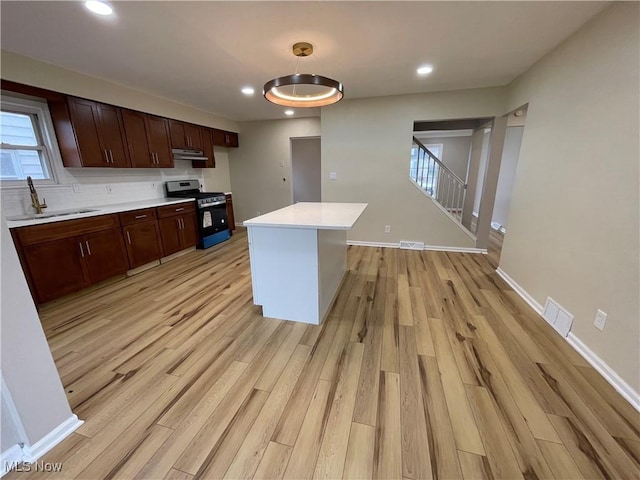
[(202, 53)]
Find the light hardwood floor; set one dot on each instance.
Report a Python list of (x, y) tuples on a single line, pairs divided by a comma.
[(428, 366)]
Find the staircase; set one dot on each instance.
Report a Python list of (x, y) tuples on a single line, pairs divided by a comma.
[(437, 181)]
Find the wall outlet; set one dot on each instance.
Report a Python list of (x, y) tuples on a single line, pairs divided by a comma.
[(76, 188), (601, 319), (387, 229), (258, 213), (109, 189), (282, 163), (153, 187), (333, 175)]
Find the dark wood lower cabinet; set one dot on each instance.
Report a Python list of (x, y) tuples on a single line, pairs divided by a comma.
[(62, 257), (143, 243), (230, 218), (105, 254), (178, 232), (57, 268), (64, 266)]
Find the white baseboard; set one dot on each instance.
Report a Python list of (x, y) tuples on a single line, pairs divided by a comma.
[(50, 440), (11, 456), (622, 387), (520, 291), (373, 244), (437, 248)]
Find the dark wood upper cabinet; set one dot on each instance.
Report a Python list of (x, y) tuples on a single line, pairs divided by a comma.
[(185, 135), (207, 147), (94, 134), (222, 138), (147, 139), (99, 134), (159, 140)]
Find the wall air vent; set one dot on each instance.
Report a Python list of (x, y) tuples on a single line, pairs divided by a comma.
[(557, 316), (411, 245)]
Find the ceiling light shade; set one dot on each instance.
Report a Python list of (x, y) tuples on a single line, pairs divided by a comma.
[(99, 7), (303, 89)]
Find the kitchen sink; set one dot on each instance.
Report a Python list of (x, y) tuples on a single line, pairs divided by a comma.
[(38, 216)]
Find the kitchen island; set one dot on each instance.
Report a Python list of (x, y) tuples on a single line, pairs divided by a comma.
[(299, 257)]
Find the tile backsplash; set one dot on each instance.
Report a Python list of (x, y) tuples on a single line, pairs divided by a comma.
[(89, 187)]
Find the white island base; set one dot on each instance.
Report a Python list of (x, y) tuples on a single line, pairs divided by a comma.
[(299, 258)]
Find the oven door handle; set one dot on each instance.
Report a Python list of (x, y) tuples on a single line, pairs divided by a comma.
[(215, 203)]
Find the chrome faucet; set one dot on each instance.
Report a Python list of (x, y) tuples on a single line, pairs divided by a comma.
[(35, 201)]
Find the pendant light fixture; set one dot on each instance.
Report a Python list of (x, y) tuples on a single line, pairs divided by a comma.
[(303, 89)]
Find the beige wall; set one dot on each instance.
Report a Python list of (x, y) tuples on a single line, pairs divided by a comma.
[(508, 165), (367, 143), (218, 179), (27, 364), (305, 169), (573, 226), (455, 152), (261, 166)]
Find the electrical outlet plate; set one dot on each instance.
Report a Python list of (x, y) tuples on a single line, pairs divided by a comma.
[(109, 189), (601, 319), (76, 188), (387, 229), (333, 175)]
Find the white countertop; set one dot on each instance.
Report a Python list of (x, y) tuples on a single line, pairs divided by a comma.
[(99, 210), (320, 215)]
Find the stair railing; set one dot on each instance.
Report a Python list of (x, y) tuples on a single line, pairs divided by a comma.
[(438, 181)]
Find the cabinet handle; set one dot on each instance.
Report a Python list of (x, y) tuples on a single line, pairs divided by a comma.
[(106, 156), (226, 139), (188, 141), (140, 216), (179, 209), (153, 158), (81, 250), (111, 157), (182, 222), (128, 238), (88, 249)]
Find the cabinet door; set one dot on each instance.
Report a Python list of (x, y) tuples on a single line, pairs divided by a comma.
[(194, 136), (136, 131), (113, 136), (104, 254), (207, 148), (85, 120), (143, 243), (178, 135), (159, 140), (189, 231), (230, 218), (57, 267), (170, 233), (231, 140)]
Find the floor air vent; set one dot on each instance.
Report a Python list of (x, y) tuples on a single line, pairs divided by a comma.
[(558, 317), (411, 245)]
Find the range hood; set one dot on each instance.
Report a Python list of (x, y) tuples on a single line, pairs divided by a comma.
[(192, 155)]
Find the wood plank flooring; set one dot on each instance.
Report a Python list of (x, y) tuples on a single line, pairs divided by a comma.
[(427, 366)]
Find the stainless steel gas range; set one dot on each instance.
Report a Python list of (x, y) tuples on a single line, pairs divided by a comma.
[(211, 209)]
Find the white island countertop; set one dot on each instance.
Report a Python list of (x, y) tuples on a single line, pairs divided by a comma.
[(320, 215)]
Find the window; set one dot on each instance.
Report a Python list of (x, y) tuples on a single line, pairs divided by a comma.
[(424, 170), (26, 142)]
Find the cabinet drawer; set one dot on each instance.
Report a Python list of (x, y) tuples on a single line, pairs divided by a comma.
[(138, 216), (68, 228), (175, 209)]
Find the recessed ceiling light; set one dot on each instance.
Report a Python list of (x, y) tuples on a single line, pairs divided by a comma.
[(289, 112), (248, 91), (425, 70), (99, 7)]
